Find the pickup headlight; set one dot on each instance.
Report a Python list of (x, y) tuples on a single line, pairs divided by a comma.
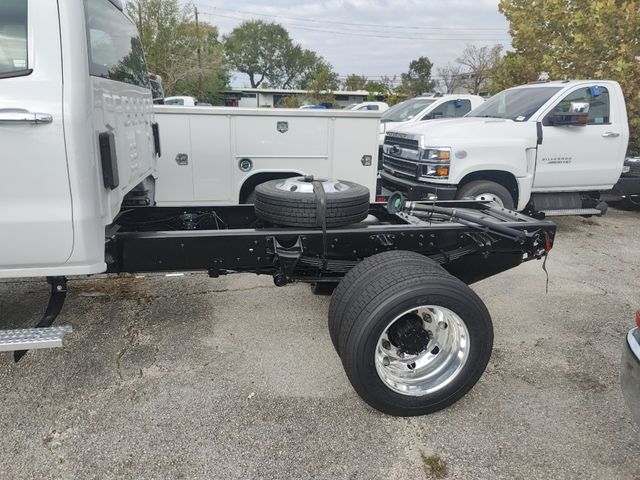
[(434, 163), (437, 155)]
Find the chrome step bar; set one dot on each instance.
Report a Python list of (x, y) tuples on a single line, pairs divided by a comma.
[(572, 211), (32, 338)]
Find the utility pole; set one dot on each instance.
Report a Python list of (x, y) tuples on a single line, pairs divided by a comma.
[(199, 52)]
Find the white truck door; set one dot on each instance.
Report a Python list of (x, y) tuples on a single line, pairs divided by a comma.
[(581, 157), (35, 199)]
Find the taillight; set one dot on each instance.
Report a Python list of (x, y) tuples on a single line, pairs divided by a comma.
[(638, 318)]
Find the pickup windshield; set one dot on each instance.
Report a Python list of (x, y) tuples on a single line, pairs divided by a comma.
[(13, 38), (406, 110), (516, 103)]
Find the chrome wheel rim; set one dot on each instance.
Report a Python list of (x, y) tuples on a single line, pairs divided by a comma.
[(489, 197), (435, 367), (305, 185)]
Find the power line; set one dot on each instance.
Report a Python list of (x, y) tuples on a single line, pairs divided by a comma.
[(376, 25), (361, 34)]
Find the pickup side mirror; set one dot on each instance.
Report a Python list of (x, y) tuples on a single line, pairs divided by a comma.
[(578, 114)]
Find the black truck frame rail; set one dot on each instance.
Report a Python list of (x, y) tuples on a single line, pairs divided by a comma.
[(472, 240)]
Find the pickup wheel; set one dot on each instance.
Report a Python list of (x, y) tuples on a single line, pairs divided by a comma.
[(415, 344), (359, 276), (292, 202), (487, 190)]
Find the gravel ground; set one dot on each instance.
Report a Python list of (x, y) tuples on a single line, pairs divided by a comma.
[(191, 377)]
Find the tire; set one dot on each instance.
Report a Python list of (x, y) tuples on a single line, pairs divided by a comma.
[(277, 204), (455, 369), (250, 199), (374, 266), (323, 288), (486, 190)]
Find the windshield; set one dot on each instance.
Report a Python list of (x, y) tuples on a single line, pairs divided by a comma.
[(516, 103), (13, 38), (406, 110)]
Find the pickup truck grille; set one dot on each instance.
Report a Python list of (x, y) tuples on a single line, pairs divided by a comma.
[(409, 143), (400, 166), (401, 155)]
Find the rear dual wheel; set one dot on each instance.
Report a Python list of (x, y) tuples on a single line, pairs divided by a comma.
[(413, 339)]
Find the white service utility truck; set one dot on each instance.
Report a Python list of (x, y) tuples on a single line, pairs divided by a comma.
[(77, 175), (218, 155), (545, 147)]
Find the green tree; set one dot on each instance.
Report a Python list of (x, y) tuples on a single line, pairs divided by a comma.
[(258, 49), (578, 39), (171, 41), (418, 79), (355, 82)]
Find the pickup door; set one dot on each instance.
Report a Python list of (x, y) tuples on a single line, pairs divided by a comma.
[(35, 200), (588, 157)]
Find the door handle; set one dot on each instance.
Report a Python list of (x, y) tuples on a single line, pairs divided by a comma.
[(19, 116), (610, 134)]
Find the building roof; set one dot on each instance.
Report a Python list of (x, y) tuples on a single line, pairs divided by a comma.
[(295, 91)]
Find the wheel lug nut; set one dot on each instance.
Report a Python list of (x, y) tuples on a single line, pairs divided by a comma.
[(386, 345), (442, 325), (386, 361)]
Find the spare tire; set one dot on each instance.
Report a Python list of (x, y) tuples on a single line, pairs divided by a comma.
[(293, 202)]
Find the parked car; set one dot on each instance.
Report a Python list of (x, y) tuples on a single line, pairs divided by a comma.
[(630, 377), (370, 106), (545, 147), (185, 101), (427, 108)]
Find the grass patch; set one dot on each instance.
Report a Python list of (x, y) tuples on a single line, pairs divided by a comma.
[(434, 466)]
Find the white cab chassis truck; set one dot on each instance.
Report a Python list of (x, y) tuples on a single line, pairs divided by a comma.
[(76, 197), (218, 155), (546, 147)]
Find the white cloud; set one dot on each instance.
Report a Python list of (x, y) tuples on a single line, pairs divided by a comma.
[(344, 31)]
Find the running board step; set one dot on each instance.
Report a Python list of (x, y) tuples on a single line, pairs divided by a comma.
[(572, 211), (32, 338)]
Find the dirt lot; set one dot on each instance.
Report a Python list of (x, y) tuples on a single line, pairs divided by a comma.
[(191, 377)]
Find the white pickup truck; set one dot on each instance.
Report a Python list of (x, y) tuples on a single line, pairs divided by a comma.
[(77, 180), (420, 109), (545, 147)]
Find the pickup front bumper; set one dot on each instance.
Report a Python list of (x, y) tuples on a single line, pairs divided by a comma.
[(417, 190), (630, 376)]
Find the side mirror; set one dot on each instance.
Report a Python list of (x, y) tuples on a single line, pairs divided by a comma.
[(436, 115), (578, 114)]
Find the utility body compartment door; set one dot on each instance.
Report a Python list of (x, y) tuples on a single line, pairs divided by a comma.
[(35, 198), (586, 157)]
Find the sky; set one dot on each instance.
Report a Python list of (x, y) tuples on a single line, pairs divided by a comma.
[(371, 38)]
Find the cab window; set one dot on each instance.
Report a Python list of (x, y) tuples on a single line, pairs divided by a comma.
[(451, 109), (115, 50), (13, 38), (598, 99)]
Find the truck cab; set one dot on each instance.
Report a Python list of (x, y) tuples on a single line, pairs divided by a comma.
[(75, 120), (549, 147)]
